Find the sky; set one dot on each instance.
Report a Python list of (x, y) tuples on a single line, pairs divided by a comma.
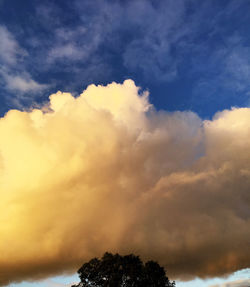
[(138, 109)]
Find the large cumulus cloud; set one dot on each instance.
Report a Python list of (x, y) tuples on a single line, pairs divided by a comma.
[(107, 172)]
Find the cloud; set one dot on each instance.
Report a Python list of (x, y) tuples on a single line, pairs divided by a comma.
[(67, 51), (15, 77), (150, 51), (106, 172), (100, 31), (21, 83), (237, 283), (74, 44), (9, 48), (238, 68), (50, 283), (67, 46)]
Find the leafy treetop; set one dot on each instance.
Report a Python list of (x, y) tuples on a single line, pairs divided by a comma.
[(125, 271)]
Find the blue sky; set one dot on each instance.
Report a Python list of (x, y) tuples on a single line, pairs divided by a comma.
[(238, 279), (190, 55)]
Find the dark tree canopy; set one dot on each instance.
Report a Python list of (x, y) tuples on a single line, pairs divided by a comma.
[(125, 271)]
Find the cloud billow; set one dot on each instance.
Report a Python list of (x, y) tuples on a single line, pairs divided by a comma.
[(107, 172)]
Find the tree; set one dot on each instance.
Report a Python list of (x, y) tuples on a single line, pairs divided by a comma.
[(122, 271)]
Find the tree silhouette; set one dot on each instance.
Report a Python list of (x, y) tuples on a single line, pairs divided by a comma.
[(124, 271)]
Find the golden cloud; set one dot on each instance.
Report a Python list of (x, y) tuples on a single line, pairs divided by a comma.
[(106, 172)]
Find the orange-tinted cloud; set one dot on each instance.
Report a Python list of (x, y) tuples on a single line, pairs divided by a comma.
[(106, 172)]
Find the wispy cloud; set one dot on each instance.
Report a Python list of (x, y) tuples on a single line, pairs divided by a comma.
[(150, 52), (237, 283), (51, 283), (14, 75), (99, 41), (68, 47), (10, 51), (21, 83), (101, 32)]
